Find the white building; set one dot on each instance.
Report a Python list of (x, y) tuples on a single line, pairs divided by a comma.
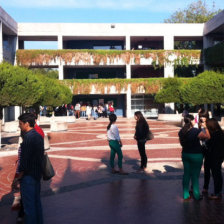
[(123, 37)]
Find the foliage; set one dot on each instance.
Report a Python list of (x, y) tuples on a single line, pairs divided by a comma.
[(158, 57), (19, 86), (102, 86), (214, 56), (56, 93), (196, 12), (47, 72), (171, 91), (208, 87)]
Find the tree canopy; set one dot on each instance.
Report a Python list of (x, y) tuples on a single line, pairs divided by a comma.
[(208, 87), (196, 12), (22, 87)]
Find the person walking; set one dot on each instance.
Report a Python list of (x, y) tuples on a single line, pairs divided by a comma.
[(141, 133), (214, 156), (192, 156), (30, 170), (115, 144)]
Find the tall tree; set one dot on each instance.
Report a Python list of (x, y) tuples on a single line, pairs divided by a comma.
[(197, 12)]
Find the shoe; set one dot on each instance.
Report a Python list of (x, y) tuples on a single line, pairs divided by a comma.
[(114, 171), (187, 199), (215, 197)]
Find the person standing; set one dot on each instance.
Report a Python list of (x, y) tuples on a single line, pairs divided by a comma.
[(30, 169), (77, 110), (115, 144), (215, 155), (192, 156), (141, 133)]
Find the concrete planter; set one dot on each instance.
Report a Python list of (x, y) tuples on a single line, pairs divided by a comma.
[(59, 126), (170, 117), (67, 119), (12, 126)]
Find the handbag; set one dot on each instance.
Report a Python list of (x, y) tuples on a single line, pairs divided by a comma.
[(48, 170), (149, 136)]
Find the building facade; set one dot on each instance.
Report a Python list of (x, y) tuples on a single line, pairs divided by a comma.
[(112, 51)]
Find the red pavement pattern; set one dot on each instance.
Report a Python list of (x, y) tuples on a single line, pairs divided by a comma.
[(92, 134)]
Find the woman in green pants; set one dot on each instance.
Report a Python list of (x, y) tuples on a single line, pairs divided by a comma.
[(192, 156), (115, 144)]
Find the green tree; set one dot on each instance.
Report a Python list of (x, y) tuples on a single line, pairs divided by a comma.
[(56, 93), (19, 86), (208, 87), (171, 91), (196, 12)]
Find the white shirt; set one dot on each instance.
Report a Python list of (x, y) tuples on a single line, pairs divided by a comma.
[(113, 133)]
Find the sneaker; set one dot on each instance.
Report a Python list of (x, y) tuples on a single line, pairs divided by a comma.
[(215, 197)]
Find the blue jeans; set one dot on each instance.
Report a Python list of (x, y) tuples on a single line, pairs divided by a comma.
[(30, 192)]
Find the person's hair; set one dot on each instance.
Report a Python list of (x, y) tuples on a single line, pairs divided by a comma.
[(213, 125), (140, 117), (112, 118), (187, 126), (204, 113), (187, 123), (28, 117)]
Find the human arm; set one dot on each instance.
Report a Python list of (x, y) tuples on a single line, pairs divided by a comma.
[(205, 133)]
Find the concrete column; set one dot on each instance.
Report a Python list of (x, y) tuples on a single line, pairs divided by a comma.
[(1, 43), (61, 72), (60, 42), (128, 71), (169, 69), (128, 102), (128, 42), (16, 47), (168, 42), (17, 112)]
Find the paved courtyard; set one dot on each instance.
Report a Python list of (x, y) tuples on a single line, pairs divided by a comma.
[(84, 191)]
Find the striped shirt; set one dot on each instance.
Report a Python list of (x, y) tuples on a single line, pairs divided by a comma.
[(32, 152)]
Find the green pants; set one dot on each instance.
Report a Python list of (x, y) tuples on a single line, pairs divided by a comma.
[(192, 168), (115, 148)]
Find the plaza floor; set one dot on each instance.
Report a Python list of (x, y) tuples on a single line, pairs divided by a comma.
[(84, 191)]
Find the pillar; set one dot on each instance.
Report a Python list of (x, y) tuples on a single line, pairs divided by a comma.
[(128, 102), (169, 69), (128, 43), (207, 42), (60, 42), (1, 42), (128, 71), (61, 72)]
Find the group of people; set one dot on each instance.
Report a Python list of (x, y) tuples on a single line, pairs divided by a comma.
[(87, 111), (142, 133), (202, 139)]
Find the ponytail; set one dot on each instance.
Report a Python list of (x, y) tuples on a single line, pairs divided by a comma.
[(112, 118)]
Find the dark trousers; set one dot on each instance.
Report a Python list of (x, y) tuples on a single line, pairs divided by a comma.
[(213, 165), (141, 149)]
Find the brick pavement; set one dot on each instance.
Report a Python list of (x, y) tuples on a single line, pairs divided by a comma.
[(84, 191)]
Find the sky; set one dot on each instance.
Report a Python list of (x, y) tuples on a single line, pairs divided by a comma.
[(96, 11)]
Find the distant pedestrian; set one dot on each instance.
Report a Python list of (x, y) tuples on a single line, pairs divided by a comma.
[(141, 133), (77, 110), (115, 144), (214, 157), (88, 112), (192, 156), (30, 170)]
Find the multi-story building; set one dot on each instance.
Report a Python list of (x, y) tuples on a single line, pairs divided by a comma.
[(129, 52)]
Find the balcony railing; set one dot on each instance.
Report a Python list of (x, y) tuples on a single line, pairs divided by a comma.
[(108, 57)]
